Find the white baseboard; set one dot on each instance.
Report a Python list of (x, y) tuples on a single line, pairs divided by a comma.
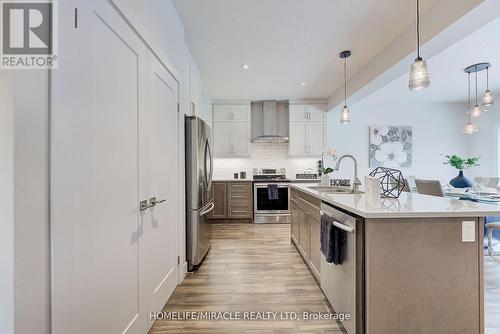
[(183, 271)]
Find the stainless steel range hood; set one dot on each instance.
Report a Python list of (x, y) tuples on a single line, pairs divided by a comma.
[(269, 121)]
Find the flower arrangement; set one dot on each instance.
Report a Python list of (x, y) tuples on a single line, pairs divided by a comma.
[(461, 163), (331, 152)]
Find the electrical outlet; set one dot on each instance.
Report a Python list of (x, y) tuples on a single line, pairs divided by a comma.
[(468, 231)]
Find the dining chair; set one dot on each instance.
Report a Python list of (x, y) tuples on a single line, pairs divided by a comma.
[(490, 182), (429, 187)]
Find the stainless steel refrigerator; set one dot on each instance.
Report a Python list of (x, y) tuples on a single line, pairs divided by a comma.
[(199, 201)]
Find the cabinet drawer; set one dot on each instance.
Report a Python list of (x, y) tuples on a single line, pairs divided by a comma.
[(237, 210), (244, 196), (239, 187)]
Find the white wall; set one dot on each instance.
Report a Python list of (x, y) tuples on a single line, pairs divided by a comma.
[(437, 129), (6, 204), (484, 143), (263, 155)]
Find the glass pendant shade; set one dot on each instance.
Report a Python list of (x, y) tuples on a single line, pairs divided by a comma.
[(476, 112), (344, 115), (470, 128), (487, 98), (419, 75)]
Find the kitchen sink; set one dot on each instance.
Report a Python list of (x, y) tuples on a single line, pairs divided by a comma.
[(335, 190)]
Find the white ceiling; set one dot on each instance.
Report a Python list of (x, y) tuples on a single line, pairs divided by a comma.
[(286, 42), (448, 80)]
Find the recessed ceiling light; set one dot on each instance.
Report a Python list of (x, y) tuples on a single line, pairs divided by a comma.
[(302, 83), (244, 66)]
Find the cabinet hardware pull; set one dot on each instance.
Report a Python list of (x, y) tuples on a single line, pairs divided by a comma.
[(239, 211)]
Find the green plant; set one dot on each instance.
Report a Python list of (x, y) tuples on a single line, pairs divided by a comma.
[(326, 170), (460, 163)]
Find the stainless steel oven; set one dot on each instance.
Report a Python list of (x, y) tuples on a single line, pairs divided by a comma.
[(267, 210)]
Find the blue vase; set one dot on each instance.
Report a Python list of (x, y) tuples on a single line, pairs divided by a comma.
[(461, 181)]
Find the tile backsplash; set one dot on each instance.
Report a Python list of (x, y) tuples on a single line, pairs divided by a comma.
[(264, 155)]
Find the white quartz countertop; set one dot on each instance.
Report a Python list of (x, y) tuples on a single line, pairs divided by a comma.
[(231, 180), (408, 205)]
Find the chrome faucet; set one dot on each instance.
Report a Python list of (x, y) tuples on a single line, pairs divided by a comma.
[(356, 182)]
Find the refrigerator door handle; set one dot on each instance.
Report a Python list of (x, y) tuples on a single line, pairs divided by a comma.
[(210, 208)]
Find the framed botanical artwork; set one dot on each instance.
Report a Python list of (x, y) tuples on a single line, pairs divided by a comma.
[(391, 146)]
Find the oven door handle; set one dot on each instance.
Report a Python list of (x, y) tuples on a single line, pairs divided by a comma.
[(339, 225)]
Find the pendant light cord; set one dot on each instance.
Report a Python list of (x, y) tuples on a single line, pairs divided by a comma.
[(345, 81), (469, 112), (487, 78), (418, 29), (476, 86)]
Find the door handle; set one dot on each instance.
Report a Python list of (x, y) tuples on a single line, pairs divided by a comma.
[(210, 208), (154, 201), (144, 205)]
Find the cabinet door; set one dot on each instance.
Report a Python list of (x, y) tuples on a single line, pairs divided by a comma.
[(294, 212), (195, 90), (240, 113), (240, 139), (219, 191), (221, 112), (315, 138), (316, 112), (314, 245), (297, 112), (303, 230), (297, 143), (222, 139)]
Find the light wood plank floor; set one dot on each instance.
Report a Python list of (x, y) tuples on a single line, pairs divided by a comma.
[(250, 267), (492, 296)]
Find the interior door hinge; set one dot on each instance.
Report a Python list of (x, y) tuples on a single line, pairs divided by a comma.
[(178, 107), (76, 17), (178, 260)]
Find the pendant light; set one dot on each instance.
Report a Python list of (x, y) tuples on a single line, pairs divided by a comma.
[(419, 73), (344, 114), (469, 127), (488, 97), (477, 111)]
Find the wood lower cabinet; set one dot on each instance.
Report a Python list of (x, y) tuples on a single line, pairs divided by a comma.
[(219, 191), (233, 201), (305, 228)]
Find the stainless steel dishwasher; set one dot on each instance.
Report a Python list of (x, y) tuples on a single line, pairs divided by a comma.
[(338, 282)]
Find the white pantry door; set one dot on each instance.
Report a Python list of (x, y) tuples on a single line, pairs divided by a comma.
[(158, 138), (97, 91)]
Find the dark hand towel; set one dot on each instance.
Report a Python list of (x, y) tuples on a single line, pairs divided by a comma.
[(272, 191), (332, 241)]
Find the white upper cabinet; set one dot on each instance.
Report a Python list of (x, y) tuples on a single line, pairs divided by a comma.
[(316, 112), (221, 113), (240, 113), (231, 129), (298, 112), (192, 86), (307, 129), (307, 112)]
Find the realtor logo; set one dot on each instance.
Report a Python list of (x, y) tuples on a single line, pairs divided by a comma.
[(29, 39)]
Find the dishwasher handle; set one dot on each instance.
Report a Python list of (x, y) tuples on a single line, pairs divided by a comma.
[(339, 225)]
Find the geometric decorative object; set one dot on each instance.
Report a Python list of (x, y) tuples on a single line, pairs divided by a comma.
[(392, 182), (391, 146)]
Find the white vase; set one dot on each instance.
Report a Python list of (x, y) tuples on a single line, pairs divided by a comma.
[(325, 179)]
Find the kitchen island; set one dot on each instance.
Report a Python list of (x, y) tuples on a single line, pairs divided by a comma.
[(412, 265)]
